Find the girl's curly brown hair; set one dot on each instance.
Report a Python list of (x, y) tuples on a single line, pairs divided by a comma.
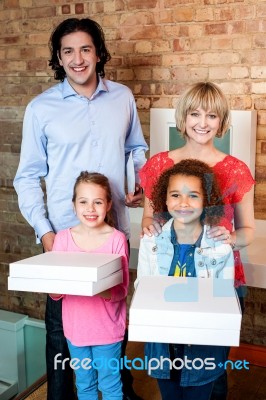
[(213, 205)]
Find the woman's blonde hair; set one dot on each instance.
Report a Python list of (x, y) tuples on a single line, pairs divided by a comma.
[(209, 97)]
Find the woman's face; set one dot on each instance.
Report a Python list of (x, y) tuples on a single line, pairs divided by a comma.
[(202, 126)]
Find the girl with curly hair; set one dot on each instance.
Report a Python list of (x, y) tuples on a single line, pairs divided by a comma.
[(188, 197)]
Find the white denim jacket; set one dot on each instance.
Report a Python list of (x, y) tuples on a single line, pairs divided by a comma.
[(212, 259)]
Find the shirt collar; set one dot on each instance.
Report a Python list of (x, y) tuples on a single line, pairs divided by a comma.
[(69, 91), (174, 238), (207, 242)]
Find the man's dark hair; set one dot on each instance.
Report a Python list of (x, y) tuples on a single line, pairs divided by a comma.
[(71, 25)]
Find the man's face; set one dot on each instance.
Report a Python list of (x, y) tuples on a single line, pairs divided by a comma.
[(78, 58)]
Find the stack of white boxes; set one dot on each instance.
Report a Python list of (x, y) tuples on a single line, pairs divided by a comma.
[(73, 273), (167, 309)]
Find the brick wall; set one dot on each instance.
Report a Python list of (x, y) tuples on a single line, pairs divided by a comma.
[(158, 47)]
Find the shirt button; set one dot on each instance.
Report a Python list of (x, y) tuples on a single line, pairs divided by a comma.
[(213, 262), (199, 251), (200, 264), (154, 249)]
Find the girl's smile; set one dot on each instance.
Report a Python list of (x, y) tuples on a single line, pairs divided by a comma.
[(91, 205), (185, 198)]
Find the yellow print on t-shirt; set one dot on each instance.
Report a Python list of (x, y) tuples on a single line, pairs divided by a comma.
[(180, 270)]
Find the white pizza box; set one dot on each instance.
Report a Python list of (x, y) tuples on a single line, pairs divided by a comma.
[(167, 309), (62, 286), (71, 266)]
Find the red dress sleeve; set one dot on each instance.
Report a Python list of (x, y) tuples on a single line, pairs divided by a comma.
[(234, 178), (151, 171)]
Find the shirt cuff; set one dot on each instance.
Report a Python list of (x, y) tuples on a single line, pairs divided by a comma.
[(41, 228)]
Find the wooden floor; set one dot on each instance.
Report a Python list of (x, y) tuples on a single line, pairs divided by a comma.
[(243, 384)]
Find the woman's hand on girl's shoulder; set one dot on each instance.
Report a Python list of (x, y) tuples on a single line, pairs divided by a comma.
[(152, 229), (219, 233)]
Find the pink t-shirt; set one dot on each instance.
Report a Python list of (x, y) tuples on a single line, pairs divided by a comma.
[(92, 320)]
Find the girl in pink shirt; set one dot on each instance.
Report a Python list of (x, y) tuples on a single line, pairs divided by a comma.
[(95, 326)]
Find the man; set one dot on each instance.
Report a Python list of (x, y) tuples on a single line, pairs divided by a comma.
[(83, 123)]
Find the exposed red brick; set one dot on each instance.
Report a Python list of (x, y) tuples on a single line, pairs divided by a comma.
[(11, 4), (79, 8), (138, 4), (37, 65), (10, 40), (41, 12), (216, 29), (66, 9), (142, 61), (263, 147)]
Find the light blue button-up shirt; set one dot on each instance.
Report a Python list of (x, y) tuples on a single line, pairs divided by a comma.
[(65, 133)]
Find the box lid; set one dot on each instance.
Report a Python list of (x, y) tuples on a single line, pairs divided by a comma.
[(186, 303), (67, 266)]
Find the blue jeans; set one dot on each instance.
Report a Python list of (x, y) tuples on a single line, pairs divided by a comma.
[(220, 387), (95, 370), (60, 381), (60, 384), (171, 390)]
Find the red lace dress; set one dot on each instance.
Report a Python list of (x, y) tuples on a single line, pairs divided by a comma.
[(234, 178)]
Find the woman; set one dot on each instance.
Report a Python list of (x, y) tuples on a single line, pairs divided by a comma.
[(202, 114)]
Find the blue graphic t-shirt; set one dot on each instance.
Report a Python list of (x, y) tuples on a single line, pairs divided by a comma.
[(180, 265), (182, 253)]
